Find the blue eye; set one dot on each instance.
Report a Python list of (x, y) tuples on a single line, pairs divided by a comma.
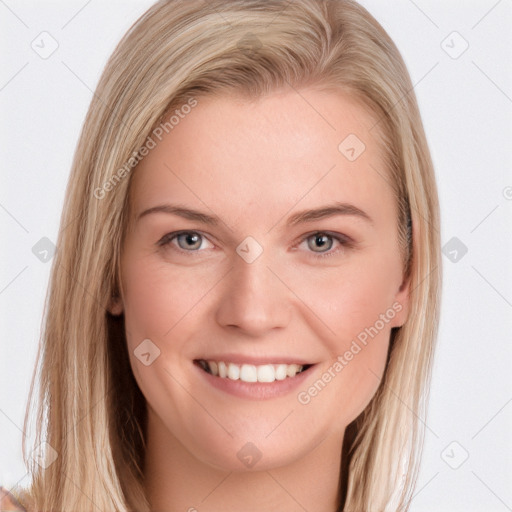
[(320, 243), (324, 242), (190, 240), (187, 241)]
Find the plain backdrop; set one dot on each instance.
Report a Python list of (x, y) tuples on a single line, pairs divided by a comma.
[(459, 58)]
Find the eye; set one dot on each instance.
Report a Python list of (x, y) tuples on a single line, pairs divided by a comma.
[(321, 243), (186, 241)]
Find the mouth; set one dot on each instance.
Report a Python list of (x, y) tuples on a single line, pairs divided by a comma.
[(251, 373)]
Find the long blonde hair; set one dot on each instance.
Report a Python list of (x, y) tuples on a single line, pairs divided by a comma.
[(90, 410)]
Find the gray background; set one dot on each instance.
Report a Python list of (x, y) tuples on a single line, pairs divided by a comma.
[(465, 97)]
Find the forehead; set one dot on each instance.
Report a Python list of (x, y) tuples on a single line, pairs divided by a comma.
[(236, 156)]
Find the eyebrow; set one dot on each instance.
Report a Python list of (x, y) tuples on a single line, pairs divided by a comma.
[(301, 217)]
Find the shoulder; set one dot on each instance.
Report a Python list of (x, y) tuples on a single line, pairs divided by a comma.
[(8, 502)]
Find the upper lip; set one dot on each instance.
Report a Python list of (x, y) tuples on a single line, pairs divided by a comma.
[(255, 360)]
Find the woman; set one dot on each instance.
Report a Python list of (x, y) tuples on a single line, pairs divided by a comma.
[(202, 350)]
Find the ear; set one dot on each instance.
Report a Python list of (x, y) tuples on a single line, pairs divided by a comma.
[(402, 303), (115, 306)]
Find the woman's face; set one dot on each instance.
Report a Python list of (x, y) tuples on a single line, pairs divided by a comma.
[(288, 258)]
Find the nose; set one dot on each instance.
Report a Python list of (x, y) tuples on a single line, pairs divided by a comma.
[(253, 300)]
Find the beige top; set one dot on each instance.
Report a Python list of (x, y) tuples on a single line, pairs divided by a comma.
[(8, 502)]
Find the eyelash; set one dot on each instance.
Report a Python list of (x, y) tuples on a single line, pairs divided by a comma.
[(343, 240)]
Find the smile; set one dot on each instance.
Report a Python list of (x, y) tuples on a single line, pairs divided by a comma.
[(250, 372)]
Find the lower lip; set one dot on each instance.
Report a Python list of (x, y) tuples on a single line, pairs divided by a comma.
[(256, 390)]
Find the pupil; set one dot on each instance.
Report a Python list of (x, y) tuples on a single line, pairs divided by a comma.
[(191, 239), (321, 241)]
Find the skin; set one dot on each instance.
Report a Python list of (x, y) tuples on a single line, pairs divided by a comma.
[(254, 164)]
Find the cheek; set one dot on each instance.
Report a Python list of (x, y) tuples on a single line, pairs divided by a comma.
[(356, 303), (157, 297), (351, 298), (160, 305)]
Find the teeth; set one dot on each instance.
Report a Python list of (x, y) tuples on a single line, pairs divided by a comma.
[(213, 367), (250, 372), (223, 371), (281, 371), (292, 369), (233, 371), (266, 373)]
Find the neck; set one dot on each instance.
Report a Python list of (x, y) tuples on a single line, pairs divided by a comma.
[(175, 480)]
